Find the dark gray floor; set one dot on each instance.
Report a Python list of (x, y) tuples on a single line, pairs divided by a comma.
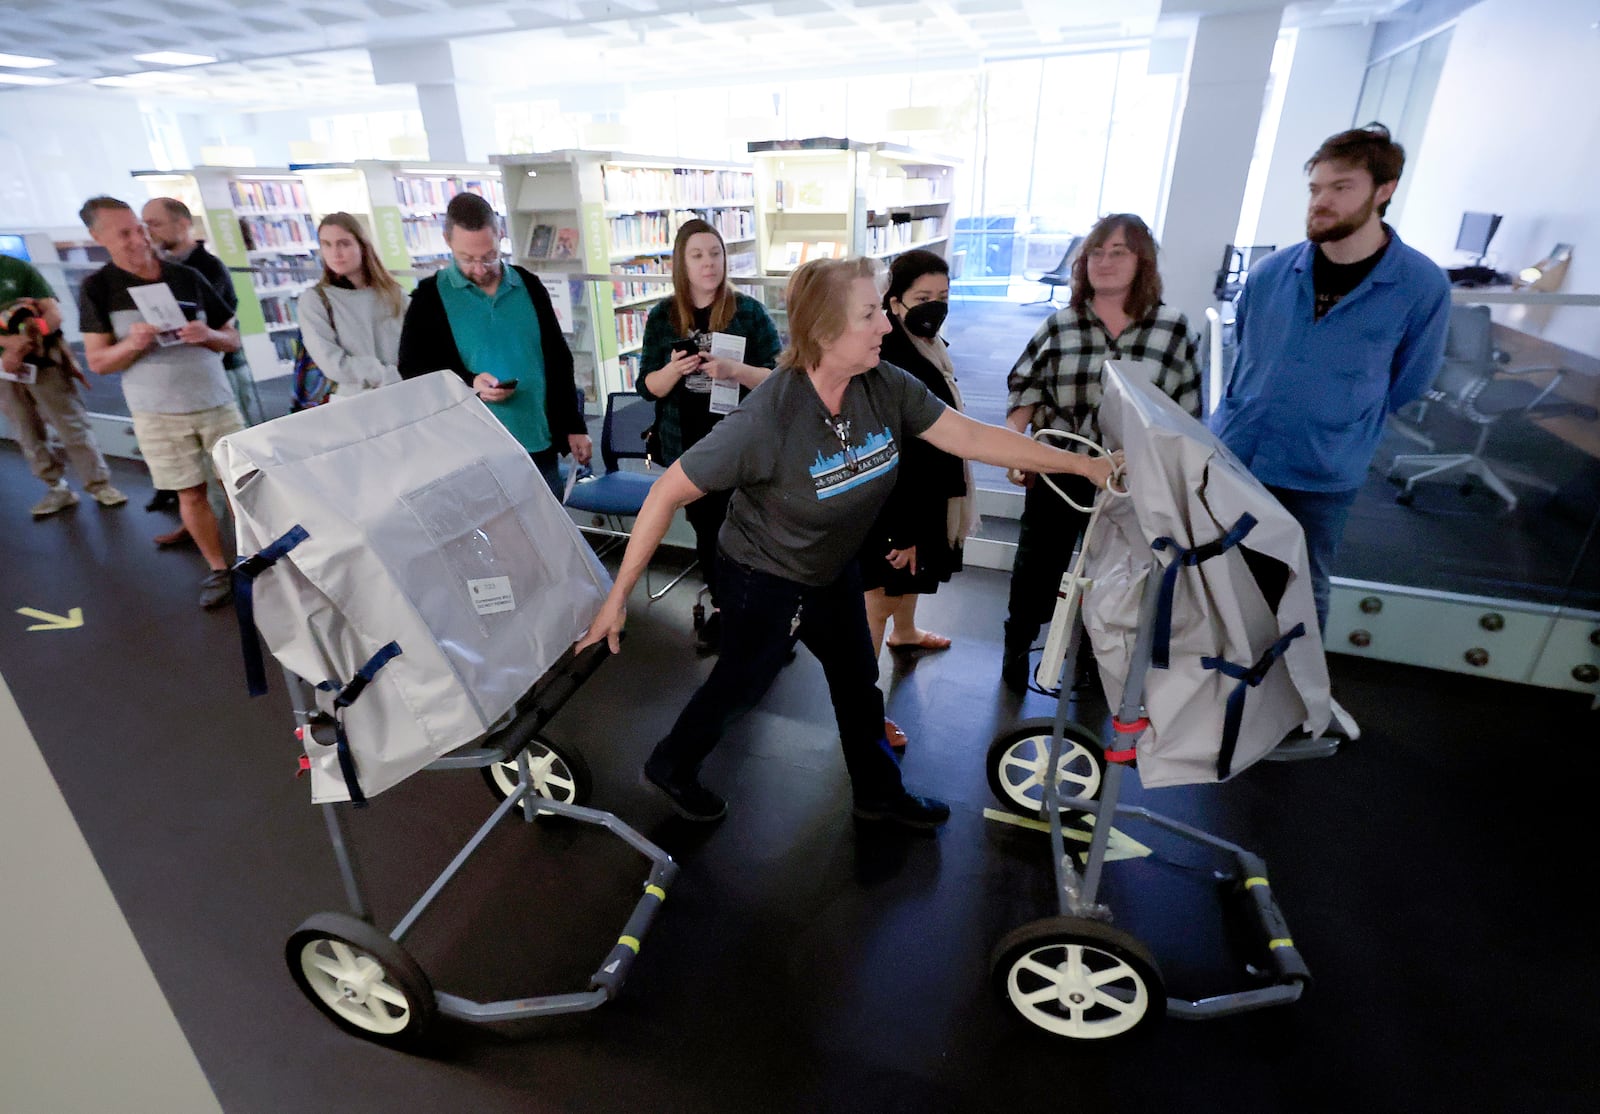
[(1433, 876)]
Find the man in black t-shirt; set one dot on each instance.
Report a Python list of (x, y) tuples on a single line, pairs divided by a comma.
[(171, 228)]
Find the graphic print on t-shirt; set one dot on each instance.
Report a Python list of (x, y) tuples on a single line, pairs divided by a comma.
[(853, 465)]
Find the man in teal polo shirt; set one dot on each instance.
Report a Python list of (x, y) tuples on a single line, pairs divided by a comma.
[(493, 325)]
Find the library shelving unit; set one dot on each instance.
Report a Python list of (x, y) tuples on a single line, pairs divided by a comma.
[(258, 221), (401, 203), (828, 198), (605, 213)]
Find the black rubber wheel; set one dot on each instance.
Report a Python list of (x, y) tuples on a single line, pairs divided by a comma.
[(557, 775), (1406, 498), (363, 981), (1079, 979), (1017, 759)]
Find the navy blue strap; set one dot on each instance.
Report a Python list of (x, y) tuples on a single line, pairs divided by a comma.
[(245, 571), (1161, 646), (1248, 677), (348, 696)]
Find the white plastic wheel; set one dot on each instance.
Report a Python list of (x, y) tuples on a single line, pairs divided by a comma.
[(1079, 979), (554, 774), (1018, 761), (361, 979)]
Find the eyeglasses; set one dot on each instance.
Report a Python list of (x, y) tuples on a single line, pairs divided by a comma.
[(1110, 255), (468, 263)]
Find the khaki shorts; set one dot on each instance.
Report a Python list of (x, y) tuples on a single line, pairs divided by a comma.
[(177, 446)]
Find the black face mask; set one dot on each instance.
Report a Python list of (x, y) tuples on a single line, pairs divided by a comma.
[(925, 319)]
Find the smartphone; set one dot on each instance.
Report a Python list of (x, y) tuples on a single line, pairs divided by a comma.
[(506, 384), (685, 347)]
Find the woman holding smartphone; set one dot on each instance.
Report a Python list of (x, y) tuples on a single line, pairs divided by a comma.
[(677, 371)]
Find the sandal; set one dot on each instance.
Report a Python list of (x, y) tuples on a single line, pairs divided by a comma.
[(928, 641)]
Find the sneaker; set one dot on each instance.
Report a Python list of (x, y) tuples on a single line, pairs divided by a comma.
[(216, 589), (907, 809), (708, 639), (106, 495), (690, 800), (163, 501), (56, 499)]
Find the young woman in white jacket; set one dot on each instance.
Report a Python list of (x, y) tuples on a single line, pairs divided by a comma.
[(350, 320)]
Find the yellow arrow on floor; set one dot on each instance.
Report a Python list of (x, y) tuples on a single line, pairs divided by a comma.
[(70, 621), (1121, 846)]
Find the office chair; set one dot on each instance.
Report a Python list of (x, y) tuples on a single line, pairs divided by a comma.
[(1475, 384), (620, 493), (1060, 275)]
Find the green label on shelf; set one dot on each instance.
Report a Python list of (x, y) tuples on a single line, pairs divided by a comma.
[(389, 233), (597, 261), (226, 243), (249, 312)]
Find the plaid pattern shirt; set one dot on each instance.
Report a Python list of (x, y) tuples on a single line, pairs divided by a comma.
[(1058, 374)]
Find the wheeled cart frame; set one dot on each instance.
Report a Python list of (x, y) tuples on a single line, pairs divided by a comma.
[(363, 979), (1076, 975)]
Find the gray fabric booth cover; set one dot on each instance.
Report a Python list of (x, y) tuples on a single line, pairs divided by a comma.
[(427, 525), (1187, 487)]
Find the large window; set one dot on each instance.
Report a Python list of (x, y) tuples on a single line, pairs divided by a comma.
[(1398, 91)]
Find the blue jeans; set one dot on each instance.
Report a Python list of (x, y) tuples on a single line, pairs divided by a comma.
[(758, 626), (548, 462), (1321, 514)]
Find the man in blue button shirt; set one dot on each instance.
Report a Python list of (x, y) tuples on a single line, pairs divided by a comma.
[(1334, 334), (490, 324)]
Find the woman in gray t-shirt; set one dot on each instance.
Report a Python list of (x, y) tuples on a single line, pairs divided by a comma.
[(810, 457)]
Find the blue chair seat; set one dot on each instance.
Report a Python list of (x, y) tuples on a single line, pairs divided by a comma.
[(615, 493)]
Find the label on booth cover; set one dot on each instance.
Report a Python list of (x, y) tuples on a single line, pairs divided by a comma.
[(491, 594)]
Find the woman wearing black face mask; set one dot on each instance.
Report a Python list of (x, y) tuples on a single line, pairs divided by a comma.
[(916, 543)]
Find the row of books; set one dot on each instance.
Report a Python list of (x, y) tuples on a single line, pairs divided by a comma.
[(281, 311), (250, 193), (900, 234), (637, 185), (425, 237), (628, 365), (420, 192), (546, 241), (624, 291), (734, 224), (886, 191), (261, 233), (792, 253), (284, 343), (277, 275), (630, 327)]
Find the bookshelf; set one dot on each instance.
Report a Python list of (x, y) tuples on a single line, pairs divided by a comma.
[(600, 212), (258, 218), (401, 203), (828, 198)]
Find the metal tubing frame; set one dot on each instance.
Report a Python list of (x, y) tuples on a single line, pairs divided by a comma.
[(1076, 891), (608, 979)]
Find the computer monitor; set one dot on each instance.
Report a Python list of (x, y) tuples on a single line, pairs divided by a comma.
[(15, 246), (1477, 229)]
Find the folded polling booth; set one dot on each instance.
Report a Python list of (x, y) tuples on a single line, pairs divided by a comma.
[(1236, 657), (401, 552)]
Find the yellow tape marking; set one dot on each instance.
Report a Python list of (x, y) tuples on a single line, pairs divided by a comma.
[(1252, 883), (629, 942), (1281, 942), (656, 892)]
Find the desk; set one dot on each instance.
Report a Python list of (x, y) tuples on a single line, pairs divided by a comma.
[(1581, 384)]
